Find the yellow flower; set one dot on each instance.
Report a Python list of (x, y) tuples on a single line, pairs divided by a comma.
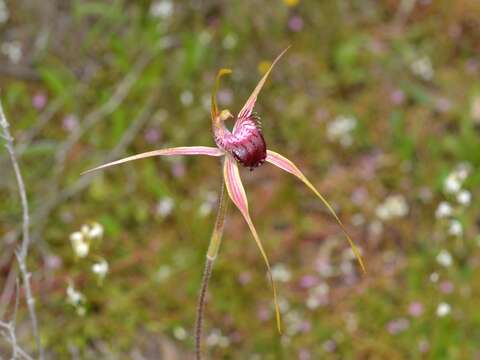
[(291, 3), (263, 67)]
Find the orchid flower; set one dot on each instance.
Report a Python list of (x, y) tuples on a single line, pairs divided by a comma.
[(244, 145)]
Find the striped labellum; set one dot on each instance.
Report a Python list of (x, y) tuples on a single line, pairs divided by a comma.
[(246, 143)]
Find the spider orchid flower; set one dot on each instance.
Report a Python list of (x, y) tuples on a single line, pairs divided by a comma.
[(244, 145)]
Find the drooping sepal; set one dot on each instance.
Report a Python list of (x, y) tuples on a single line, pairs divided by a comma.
[(235, 190), (283, 163)]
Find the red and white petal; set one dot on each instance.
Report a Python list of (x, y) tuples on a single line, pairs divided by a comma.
[(285, 164), (235, 190), (184, 150), (248, 107)]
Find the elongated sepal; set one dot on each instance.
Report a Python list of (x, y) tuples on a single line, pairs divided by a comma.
[(285, 164), (250, 104), (185, 150), (214, 107), (237, 194)]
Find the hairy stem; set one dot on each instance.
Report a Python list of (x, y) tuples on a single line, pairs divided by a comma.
[(23, 251), (212, 253)]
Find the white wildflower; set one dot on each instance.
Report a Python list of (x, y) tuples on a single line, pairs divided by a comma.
[(100, 269), (464, 197), (81, 310), (74, 297), (443, 309), (444, 258), (215, 338), (230, 41), (163, 273), (205, 37), (95, 231), (4, 14), (423, 68), (179, 333), (318, 296), (455, 228), (281, 273), (321, 289), (394, 206), (161, 9), (80, 245), (454, 181), (165, 206), (375, 227), (444, 210), (13, 50), (186, 97), (293, 322), (340, 129), (452, 184), (358, 219), (313, 302)]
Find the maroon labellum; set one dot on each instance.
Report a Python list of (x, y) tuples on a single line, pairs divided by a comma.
[(246, 143)]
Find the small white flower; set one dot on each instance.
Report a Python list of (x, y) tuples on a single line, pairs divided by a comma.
[(215, 338), (444, 210), (358, 220), (443, 309), (180, 333), (321, 289), (80, 246), (230, 41), (81, 310), (434, 277), (340, 130), (394, 206), (13, 50), (100, 269), (318, 296), (313, 302), (281, 273), (454, 181), (74, 297), (161, 9), (76, 236), (455, 228), (464, 197), (95, 231), (423, 68), (165, 206), (205, 37), (444, 258), (452, 184), (375, 227), (4, 14), (163, 273), (186, 97)]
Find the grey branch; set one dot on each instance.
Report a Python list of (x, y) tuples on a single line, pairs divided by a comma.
[(23, 251)]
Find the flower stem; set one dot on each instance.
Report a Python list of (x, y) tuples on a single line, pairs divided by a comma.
[(212, 252)]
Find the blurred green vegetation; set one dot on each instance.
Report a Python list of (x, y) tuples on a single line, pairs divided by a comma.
[(378, 103)]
